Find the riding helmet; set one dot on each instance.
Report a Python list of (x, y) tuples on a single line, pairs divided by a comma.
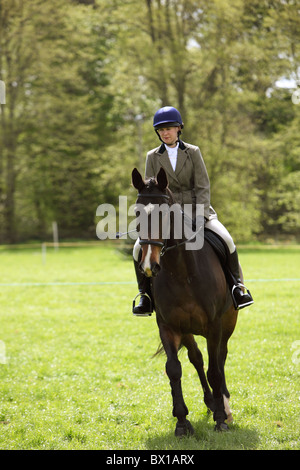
[(167, 115)]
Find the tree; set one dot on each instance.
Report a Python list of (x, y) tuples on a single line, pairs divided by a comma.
[(17, 53), (84, 79), (51, 158)]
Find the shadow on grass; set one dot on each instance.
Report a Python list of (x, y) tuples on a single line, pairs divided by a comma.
[(205, 438)]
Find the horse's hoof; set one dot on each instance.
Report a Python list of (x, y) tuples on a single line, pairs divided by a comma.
[(184, 429), (221, 427)]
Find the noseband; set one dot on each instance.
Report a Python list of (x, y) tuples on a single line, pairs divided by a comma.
[(154, 195)]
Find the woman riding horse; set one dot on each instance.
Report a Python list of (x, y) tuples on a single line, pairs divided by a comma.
[(189, 183)]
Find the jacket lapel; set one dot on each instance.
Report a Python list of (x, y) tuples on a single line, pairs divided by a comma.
[(166, 164), (181, 158), (164, 160)]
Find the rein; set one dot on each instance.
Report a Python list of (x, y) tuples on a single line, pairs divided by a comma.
[(166, 248)]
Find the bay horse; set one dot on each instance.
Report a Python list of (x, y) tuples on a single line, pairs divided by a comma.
[(191, 297)]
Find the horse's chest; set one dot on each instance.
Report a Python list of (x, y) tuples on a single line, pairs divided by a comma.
[(184, 315)]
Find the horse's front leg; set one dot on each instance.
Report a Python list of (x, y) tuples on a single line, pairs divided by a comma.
[(171, 343)]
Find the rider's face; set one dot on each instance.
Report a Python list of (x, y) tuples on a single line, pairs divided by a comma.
[(169, 135)]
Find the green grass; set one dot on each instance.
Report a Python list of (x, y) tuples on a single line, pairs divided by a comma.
[(79, 373)]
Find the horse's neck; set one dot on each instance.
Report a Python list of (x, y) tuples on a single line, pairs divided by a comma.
[(181, 226), (182, 257)]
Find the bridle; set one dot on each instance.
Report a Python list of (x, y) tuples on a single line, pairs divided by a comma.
[(163, 244), (155, 242)]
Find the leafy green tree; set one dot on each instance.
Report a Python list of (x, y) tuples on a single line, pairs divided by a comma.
[(84, 78), (18, 52), (62, 91)]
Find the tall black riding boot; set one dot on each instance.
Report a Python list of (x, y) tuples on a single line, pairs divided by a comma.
[(144, 308), (240, 294)]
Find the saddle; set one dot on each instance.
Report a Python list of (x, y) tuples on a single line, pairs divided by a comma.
[(218, 245), (222, 251)]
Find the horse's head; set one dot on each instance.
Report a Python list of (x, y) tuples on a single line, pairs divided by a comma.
[(153, 197)]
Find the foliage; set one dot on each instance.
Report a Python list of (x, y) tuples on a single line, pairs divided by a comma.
[(84, 78)]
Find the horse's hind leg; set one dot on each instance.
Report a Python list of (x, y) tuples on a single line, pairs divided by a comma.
[(226, 394), (196, 358), (215, 375), (171, 343), (229, 320)]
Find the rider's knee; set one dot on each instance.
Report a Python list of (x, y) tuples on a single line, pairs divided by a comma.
[(215, 225)]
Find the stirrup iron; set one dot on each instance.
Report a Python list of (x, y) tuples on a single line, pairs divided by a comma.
[(236, 306), (146, 314)]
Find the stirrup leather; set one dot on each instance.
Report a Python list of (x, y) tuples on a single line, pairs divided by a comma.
[(146, 314)]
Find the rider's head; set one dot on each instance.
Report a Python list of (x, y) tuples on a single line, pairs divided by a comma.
[(165, 119)]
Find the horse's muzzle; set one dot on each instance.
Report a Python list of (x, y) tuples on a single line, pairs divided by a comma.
[(150, 260), (150, 271), (155, 269)]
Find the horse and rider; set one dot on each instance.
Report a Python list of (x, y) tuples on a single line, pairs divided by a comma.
[(193, 291), (189, 183)]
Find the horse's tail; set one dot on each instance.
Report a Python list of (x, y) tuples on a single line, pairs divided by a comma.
[(160, 350)]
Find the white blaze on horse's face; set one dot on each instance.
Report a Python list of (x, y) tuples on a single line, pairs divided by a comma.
[(147, 262), (150, 252), (150, 260)]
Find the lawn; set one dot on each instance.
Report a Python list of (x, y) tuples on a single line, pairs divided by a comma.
[(76, 370)]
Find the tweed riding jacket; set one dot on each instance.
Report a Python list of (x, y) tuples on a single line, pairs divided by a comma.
[(189, 182)]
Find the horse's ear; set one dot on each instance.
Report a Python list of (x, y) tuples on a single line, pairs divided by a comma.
[(137, 180), (162, 179)]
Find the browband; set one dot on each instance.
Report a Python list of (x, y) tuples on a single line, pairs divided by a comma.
[(154, 195)]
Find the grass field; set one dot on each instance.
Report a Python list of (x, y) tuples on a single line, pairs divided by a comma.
[(76, 369)]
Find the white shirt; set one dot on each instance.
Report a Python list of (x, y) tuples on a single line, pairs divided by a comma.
[(172, 152)]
